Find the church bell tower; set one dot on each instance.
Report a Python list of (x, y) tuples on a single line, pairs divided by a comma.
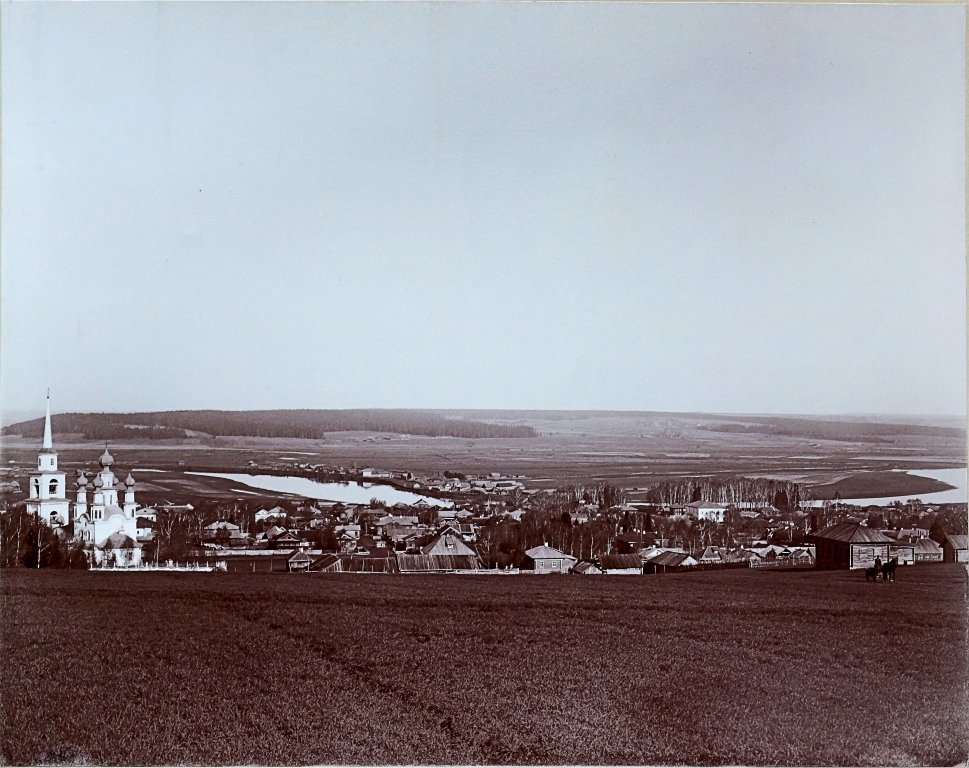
[(48, 486)]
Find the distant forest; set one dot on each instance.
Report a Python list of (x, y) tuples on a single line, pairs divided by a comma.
[(313, 424), (851, 431)]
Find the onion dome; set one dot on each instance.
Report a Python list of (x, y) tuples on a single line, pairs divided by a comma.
[(106, 458), (129, 481), (81, 480), (98, 482)]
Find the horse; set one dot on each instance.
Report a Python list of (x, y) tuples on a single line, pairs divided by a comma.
[(871, 574), (888, 570)]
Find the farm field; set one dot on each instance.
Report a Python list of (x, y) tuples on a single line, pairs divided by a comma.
[(728, 667)]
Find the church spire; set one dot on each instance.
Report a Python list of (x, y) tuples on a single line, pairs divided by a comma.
[(48, 437)]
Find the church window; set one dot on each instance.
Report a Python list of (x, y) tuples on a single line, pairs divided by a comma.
[(53, 488), (36, 487)]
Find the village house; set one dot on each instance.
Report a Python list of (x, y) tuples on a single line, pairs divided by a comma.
[(144, 529), (850, 545), (276, 513), (545, 559), (669, 560), (706, 510), (446, 552), (709, 556)]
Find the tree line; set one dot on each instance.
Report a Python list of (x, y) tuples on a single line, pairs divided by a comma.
[(731, 489), (818, 429), (305, 423)]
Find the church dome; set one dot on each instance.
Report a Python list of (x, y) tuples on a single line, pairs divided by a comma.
[(81, 481), (129, 481), (98, 482), (106, 458)]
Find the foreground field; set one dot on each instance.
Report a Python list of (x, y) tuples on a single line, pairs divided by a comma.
[(799, 668)]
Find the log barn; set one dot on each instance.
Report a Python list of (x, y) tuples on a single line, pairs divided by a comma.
[(850, 545)]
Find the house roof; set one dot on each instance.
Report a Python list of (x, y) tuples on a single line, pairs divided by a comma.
[(221, 524), (327, 562), (620, 562), (957, 540), (853, 533), (705, 505), (545, 552), (447, 542), (927, 547), (672, 559), (586, 567)]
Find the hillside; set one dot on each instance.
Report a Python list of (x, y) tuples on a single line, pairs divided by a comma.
[(304, 423)]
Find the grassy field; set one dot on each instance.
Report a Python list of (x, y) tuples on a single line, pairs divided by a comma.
[(796, 668)]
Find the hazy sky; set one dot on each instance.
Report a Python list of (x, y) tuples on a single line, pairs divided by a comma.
[(631, 206)]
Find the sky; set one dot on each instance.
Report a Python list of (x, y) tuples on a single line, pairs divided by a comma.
[(677, 207)]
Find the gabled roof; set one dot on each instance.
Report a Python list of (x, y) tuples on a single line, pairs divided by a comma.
[(221, 524), (327, 563), (545, 552), (853, 533), (672, 559), (927, 547), (711, 553), (957, 540), (705, 505), (620, 562), (447, 542)]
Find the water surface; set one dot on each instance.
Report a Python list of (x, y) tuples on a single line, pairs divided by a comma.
[(347, 493)]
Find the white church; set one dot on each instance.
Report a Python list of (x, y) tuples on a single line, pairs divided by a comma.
[(106, 524)]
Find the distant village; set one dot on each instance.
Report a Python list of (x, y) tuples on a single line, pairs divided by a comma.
[(491, 524)]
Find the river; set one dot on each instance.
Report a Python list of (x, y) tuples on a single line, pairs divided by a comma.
[(954, 477), (347, 493)]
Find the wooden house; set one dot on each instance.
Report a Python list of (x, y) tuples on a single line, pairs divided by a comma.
[(546, 559), (955, 548), (710, 556), (669, 561), (850, 545), (299, 562), (586, 568), (446, 552)]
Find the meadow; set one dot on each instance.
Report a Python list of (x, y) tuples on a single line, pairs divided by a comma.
[(729, 667)]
